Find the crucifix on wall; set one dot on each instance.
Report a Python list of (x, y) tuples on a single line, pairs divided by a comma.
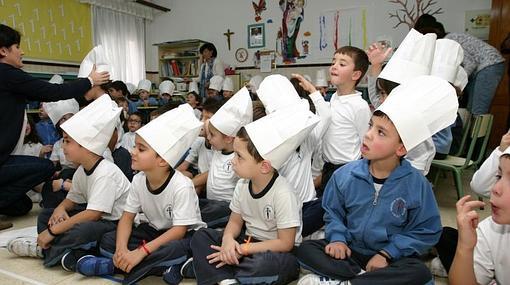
[(228, 34)]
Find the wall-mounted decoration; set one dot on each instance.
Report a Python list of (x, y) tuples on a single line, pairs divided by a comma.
[(256, 36), (53, 30), (293, 15), (241, 54), (228, 34), (258, 8), (477, 23), (408, 12)]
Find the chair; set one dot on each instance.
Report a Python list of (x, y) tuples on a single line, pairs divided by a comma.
[(480, 129), (466, 118)]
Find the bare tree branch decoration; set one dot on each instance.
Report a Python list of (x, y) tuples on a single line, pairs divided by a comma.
[(410, 12)]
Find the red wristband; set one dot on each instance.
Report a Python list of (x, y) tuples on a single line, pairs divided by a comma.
[(144, 248)]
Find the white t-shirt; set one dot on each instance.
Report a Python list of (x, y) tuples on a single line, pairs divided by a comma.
[(349, 123), (57, 154), (128, 141), (221, 179), (485, 177), (105, 189), (31, 149), (175, 205), (421, 156), (276, 207), (492, 253), (199, 155)]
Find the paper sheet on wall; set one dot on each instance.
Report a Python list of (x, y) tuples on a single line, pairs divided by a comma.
[(265, 63)]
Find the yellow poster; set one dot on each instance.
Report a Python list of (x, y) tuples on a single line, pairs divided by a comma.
[(54, 30)]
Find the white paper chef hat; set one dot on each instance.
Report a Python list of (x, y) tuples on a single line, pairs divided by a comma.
[(447, 59), (96, 56), (321, 79), (234, 114), (420, 108), (278, 134), (228, 84), (193, 87), (131, 87), (172, 133), (254, 83), (166, 87), (93, 126), (57, 79), (144, 84), (56, 110), (277, 92), (412, 58), (461, 80), (216, 82)]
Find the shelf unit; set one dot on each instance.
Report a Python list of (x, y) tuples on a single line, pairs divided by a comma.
[(179, 59)]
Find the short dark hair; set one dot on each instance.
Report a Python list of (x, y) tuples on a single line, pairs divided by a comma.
[(197, 97), (212, 104), (259, 110), (8, 36), (119, 85), (386, 85), (303, 93), (252, 150), (359, 57), (424, 20), (210, 47), (140, 115), (32, 137), (428, 24)]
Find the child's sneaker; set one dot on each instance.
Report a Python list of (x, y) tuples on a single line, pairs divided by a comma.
[(187, 270), (173, 275), (25, 246), (314, 279), (437, 268), (90, 265), (70, 259), (229, 282)]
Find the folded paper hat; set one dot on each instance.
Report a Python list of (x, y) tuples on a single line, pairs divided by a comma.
[(144, 84), (93, 126), (228, 84), (56, 110), (254, 83), (96, 56), (234, 114), (276, 92), (172, 133), (278, 134), (461, 80), (420, 108), (321, 79), (413, 58), (131, 87), (193, 87), (166, 87), (57, 79), (447, 59), (216, 82)]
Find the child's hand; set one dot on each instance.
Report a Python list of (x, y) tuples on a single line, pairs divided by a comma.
[(376, 262), (505, 142), (377, 55), (44, 239), (58, 216), (467, 221), (45, 149), (130, 259), (117, 256), (229, 253), (338, 250), (98, 78), (67, 184), (307, 85)]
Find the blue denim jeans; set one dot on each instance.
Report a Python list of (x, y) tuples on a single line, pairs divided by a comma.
[(482, 86), (19, 174)]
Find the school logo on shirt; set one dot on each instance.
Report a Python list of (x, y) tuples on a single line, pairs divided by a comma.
[(268, 213), (168, 211), (227, 166), (398, 207)]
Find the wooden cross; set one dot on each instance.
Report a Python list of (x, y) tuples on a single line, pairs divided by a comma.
[(228, 34)]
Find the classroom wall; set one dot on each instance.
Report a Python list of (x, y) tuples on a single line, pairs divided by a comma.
[(208, 20)]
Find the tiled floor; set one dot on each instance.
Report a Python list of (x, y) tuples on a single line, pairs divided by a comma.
[(15, 270)]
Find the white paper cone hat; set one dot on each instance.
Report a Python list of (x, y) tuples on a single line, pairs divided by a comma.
[(412, 58), (278, 134), (447, 59), (277, 92), (172, 133), (144, 84), (56, 110), (166, 87), (96, 56), (420, 108), (254, 83), (321, 79), (234, 114), (93, 126), (216, 82), (193, 87), (228, 84), (57, 79), (461, 80), (131, 87)]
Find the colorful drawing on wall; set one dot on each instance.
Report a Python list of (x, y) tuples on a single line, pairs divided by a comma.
[(293, 15), (258, 8), (477, 23), (342, 27), (408, 13), (54, 30)]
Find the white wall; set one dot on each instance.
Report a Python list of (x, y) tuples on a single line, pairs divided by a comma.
[(208, 20)]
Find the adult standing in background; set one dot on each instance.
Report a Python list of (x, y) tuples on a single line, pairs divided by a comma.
[(482, 62), (19, 173), (209, 67)]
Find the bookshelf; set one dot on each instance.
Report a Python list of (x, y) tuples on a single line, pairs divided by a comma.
[(179, 59)]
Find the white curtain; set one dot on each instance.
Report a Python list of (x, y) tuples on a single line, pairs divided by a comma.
[(123, 38)]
